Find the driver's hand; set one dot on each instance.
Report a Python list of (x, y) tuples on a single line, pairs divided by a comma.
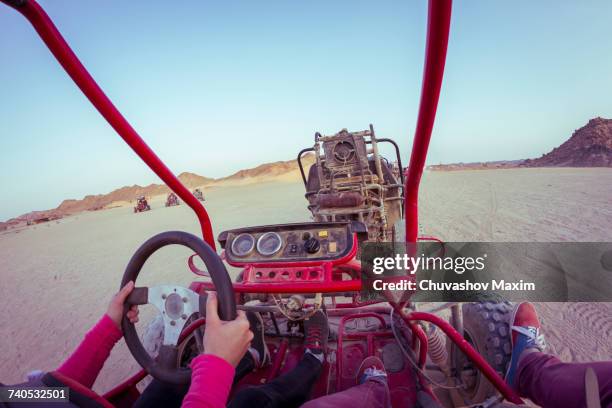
[(115, 307), (227, 340)]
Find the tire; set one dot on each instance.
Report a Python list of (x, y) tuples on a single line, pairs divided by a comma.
[(486, 328)]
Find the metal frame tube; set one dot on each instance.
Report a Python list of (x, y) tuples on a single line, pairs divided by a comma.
[(438, 26), (83, 79)]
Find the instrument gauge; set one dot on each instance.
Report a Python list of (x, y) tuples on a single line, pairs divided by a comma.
[(269, 243), (243, 244)]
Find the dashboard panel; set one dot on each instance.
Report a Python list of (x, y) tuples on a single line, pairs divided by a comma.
[(286, 243)]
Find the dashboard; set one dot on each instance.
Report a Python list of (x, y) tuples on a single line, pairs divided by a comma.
[(287, 243)]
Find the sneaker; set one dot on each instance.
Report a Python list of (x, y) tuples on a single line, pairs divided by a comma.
[(259, 349), (525, 335), (371, 367), (316, 332)]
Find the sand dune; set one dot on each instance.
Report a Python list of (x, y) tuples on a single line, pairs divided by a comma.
[(57, 277)]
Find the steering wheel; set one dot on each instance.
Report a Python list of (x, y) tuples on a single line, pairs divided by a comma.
[(176, 304)]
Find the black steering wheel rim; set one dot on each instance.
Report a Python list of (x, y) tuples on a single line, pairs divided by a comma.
[(223, 286)]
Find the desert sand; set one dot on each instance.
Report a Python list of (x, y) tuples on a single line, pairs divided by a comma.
[(56, 278)]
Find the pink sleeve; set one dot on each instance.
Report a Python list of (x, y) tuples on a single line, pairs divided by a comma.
[(87, 360), (211, 382)]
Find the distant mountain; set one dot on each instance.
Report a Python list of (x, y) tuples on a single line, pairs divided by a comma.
[(127, 194), (269, 170), (100, 201), (192, 180), (589, 146), (501, 164)]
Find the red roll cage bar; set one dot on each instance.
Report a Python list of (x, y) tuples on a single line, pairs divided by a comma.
[(79, 74), (438, 26)]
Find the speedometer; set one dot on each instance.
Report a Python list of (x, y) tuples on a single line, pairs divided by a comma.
[(269, 243), (243, 244)]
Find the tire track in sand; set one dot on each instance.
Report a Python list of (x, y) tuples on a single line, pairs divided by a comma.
[(592, 315), (485, 229)]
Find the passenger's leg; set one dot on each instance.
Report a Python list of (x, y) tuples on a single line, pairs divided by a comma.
[(543, 378), (548, 382), (370, 394), (245, 366), (161, 394), (288, 390), (372, 391), (293, 388)]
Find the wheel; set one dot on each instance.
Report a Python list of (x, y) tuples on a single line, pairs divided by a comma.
[(486, 328), (177, 305)]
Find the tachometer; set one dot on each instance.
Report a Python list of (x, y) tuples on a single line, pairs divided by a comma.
[(243, 244), (269, 243)]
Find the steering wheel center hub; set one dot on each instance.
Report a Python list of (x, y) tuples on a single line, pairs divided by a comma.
[(174, 306)]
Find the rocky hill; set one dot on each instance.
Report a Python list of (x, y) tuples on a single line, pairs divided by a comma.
[(101, 201), (192, 180), (269, 170), (589, 146)]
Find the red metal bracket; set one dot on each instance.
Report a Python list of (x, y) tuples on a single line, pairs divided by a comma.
[(194, 268)]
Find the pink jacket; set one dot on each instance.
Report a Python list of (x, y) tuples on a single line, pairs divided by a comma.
[(211, 378)]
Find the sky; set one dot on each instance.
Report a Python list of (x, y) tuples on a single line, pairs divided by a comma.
[(215, 87)]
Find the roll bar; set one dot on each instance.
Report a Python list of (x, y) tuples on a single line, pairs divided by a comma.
[(299, 160), (438, 26), (81, 77)]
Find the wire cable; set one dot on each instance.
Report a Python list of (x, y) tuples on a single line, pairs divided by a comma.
[(414, 363)]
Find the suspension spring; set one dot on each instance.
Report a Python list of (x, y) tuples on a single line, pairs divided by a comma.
[(437, 346)]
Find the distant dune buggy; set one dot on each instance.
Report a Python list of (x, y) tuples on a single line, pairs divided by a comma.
[(198, 194), (172, 200), (141, 205)]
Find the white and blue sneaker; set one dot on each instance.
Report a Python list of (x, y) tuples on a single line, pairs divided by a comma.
[(525, 336), (372, 368)]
